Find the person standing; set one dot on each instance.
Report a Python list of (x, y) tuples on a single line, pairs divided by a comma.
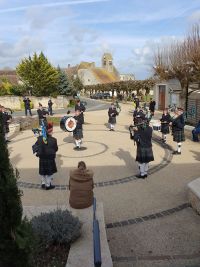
[(81, 186), (42, 115), (112, 113), (152, 105), (144, 154), (27, 105), (137, 102), (78, 132), (47, 154), (178, 124), (6, 120), (50, 110), (79, 106), (196, 132), (165, 121)]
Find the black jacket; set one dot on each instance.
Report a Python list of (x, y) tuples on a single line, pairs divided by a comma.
[(79, 123), (166, 118), (152, 106), (112, 112), (47, 151), (143, 137), (178, 123)]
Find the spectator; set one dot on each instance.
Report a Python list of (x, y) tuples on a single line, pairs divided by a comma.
[(195, 133), (27, 105), (50, 104), (81, 187), (152, 105)]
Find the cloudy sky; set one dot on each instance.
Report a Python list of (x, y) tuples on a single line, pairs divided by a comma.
[(70, 31)]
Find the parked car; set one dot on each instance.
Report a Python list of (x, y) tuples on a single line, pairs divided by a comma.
[(106, 95), (97, 96)]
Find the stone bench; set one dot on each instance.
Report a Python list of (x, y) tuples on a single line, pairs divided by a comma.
[(81, 251), (194, 194)]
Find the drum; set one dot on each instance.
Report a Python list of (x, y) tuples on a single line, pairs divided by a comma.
[(68, 124), (156, 125)]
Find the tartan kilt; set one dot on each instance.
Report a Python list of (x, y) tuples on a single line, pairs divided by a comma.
[(112, 120), (47, 166), (144, 154), (178, 136), (164, 128), (78, 134)]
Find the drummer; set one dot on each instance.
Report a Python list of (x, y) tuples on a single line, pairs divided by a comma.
[(165, 120), (79, 106), (78, 132)]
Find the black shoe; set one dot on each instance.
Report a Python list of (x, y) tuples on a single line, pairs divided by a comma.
[(141, 176), (50, 187), (176, 153), (43, 186)]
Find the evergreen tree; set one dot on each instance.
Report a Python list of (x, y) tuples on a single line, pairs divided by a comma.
[(38, 74), (78, 85), (15, 244), (65, 85)]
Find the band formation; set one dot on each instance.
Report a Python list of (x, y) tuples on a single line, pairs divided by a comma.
[(141, 130)]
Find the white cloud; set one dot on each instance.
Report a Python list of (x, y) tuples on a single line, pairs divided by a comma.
[(54, 4), (195, 17), (10, 54)]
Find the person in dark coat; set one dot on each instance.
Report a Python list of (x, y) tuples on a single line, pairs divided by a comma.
[(152, 105), (144, 154), (81, 186), (27, 105), (178, 124), (42, 115), (50, 104), (6, 120), (137, 102), (138, 116), (196, 132), (47, 154), (165, 121), (78, 132), (112, 113), (79, 106)]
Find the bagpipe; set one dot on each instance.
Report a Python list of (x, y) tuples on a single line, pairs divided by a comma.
[(141, 125), (40, 132)]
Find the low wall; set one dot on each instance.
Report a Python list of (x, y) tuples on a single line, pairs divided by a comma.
[(15, 102)]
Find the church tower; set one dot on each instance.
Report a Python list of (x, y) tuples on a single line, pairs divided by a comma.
[(107, 62)]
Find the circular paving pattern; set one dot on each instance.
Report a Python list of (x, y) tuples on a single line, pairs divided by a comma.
[(165, 161)]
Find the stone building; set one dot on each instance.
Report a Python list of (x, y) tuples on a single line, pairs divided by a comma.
[(10, 76), (89, 74), (127, 77)]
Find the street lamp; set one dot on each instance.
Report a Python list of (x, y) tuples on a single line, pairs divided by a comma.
[(189, 69)]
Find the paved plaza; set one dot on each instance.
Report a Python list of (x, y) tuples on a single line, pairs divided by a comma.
[(149, 222)]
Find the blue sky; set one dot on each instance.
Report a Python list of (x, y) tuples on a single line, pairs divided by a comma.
[(70, 31)]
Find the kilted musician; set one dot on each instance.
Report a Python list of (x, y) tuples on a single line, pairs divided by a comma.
[(112, 113), (165, 121), (79, 106), (178, 124), (144, 154), (78, 132), (6, 120), (47, 154), (138, 116)]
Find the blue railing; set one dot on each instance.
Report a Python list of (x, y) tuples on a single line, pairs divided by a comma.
[(96, 238)]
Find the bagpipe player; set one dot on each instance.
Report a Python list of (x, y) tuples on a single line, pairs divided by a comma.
[(165, 121), (144, 153), (78, 132), (112, 113)]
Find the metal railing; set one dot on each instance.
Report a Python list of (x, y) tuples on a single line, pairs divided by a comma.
[(96, 238)]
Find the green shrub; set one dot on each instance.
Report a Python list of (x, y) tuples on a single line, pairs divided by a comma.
[(72, 103), (56, 227)]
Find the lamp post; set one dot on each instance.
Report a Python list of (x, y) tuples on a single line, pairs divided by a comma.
[(189, 69)]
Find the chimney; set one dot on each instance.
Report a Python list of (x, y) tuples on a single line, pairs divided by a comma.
[(69, 65)]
